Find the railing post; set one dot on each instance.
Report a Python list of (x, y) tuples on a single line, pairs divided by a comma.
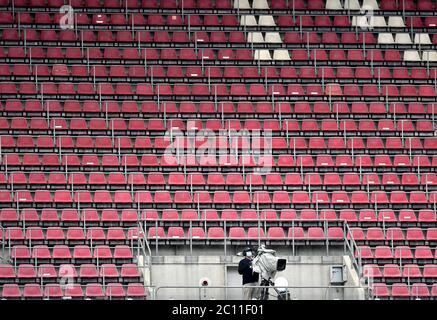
[(156, 237), (292, 237), (190, 235), (225, 237)]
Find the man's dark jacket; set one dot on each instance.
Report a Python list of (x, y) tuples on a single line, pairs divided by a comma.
[(245, 269)]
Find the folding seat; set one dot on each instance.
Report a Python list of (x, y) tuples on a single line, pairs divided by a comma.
[(426, 91), (222, 197), (410, 179), (11, 290), (276, 233), (281, 197), (46, 271), (398, 197), (420, 197), (391, 271), (55, 233), (380, 289), (182, 196), (407, 215), (320, 55), (315, 233), (108, 270), (35, 234), (94, 290), (359, 197), (378, 197), (371, 271), (430, 271), (394, 234), (373, 233), (431, 234), (255, 233), (81, 252), (75, 233), (383, 252), (175, 233), (426, 216), (26, 271), (419, 289), (375, 143), (95, 233), (32, 290), (403, 252), (20, 252), (351, 90), (400, 290), (41, 252), (415, 234), (423, 252), (135, 290)]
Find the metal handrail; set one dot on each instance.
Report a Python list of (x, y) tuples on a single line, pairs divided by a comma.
[(158, 288), (352, 247), (143, 245)]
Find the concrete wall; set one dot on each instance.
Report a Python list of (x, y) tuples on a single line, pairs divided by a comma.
[(303, 270)]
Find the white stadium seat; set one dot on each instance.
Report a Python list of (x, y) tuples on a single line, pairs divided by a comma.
[(422, 38), (260, 4), (396, 22), (248, 20), (385, 38), (403, 38), (333, 5), (266, 20), (429, 55), (411, 55), (242, 4), (281, 54), (352, 5), (262, 54), (255, 37), (273, 37)]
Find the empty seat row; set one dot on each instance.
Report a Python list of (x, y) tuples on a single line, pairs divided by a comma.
[(273, 233), (102, 251), (171, 160), (226, 107), (72, 233), (214, 36), (56, 291), (208, 20), (118, 19), (151, 54), (410, 271), (156, 124), (234, 89), (215, 178), (89, 215), (86, 271), (402, 290), (218, 197), (133, 4), (228, 140), (404, 252), (78, 252), (398, 252), (393, 234), (174, 71)]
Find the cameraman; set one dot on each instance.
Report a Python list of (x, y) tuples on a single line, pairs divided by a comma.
[(250, 278)]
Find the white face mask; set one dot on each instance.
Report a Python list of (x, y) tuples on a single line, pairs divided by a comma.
[(249, 254)]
